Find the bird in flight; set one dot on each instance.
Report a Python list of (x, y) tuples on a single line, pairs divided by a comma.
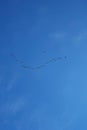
[(51, 60)]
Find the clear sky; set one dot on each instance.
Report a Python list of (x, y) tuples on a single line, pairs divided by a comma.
[(43, 65)]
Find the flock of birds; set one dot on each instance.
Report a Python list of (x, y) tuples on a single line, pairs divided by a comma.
[(39, 66)]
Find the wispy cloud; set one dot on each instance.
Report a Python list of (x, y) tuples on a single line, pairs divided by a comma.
[(57, 35), (13, 81), (13, 107), (69, 122), (41, 116), (16, 105), (80, 37)]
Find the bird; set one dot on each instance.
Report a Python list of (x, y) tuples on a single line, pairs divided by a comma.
[(39, 66)]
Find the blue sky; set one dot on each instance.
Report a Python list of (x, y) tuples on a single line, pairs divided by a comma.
[(43, 61)]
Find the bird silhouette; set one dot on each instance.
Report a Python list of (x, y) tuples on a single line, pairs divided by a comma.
[(51, 60)]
